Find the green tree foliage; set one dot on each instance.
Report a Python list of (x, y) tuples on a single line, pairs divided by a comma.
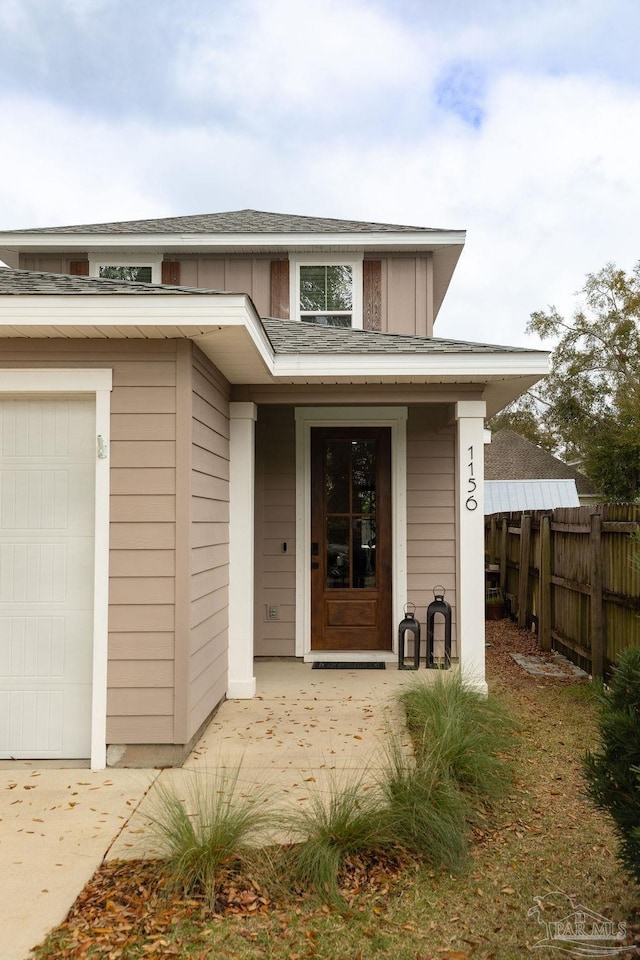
[(588, 408), (612, 772)]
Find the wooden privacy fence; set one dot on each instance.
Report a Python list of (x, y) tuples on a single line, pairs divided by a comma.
[(569, 573)]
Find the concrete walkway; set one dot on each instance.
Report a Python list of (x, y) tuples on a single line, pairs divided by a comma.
[(303, 728)]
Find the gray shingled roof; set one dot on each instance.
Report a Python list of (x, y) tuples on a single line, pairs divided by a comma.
[(512, 457), (290, 336), (233, 221), (32, 283)]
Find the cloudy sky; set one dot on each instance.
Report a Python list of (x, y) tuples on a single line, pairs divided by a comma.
[(518, 120)]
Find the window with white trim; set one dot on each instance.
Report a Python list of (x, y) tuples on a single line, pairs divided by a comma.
[(327, 290), (123, 268)]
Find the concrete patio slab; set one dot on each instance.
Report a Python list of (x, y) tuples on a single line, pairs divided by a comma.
[(304, 730), (56, 826)]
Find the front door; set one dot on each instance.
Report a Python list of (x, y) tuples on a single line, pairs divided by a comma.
[(351, 566)]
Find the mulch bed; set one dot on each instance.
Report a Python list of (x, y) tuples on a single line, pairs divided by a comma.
[(129, 902)]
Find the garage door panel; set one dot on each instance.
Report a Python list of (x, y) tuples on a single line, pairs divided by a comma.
[(44, 573), (45, 723), (45, 648), (34, 498), (46, 427), (47, 503)]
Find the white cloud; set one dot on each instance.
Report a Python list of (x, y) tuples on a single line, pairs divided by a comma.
[(320, 62), (329, 109)]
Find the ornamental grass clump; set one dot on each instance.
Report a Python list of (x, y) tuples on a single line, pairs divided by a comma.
[(467, 735), (204, 826), (426, 811), (612, 770), (343, 819)]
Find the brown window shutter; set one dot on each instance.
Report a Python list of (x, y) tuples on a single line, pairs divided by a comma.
[(372, 294), (79, 268), (280, 289), (171, 272)]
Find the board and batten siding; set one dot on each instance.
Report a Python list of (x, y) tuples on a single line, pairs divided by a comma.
[(275, 513), (403, 288), (209, 547), (431, 531)]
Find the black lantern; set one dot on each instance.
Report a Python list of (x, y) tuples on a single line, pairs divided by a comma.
[(438, 605), (411, 626)]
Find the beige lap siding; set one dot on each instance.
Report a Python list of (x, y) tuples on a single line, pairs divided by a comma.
[(209, 550), (140, 704), (431, 539), (275, 568)]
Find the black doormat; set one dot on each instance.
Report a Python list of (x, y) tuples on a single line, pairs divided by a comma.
[(358, 665)]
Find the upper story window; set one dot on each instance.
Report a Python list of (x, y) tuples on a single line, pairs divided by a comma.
[(327, 290), (122, 268)]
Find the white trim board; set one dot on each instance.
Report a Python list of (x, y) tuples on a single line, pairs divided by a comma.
[(98, 382), (306, 418)]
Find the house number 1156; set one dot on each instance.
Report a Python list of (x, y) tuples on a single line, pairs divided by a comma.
[(471, 503)]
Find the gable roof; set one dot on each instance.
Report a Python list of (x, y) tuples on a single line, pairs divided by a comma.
[(233, 221), (510, 456)]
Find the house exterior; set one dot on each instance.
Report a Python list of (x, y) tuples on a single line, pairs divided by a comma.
[(227, 437), (520, 475)]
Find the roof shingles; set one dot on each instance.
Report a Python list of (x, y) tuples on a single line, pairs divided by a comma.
[(232, 222), (287, 337), (512, 457)]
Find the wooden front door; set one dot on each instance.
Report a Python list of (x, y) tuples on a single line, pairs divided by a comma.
[(351, 538)]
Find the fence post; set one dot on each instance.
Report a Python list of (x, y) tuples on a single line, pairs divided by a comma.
[(595, 604), (544, 584), (523, 581), (492, 541), (504, 533)]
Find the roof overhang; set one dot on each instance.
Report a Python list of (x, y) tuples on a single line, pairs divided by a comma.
[(150, 243), (228, 330)]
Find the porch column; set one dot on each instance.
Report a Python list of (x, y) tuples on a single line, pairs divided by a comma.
[(241, 683), (469, 415)]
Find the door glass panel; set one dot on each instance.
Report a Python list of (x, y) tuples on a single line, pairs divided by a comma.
[(338, 552), (337, 475), (364, 476), (364, 553), (350, 474)]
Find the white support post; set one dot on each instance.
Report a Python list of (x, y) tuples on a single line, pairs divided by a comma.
[(470, 415), (241, 683)]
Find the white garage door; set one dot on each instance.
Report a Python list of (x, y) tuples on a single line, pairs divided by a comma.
[(47, 484)]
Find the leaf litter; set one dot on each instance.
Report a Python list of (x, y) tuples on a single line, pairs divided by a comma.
[(534, 842)]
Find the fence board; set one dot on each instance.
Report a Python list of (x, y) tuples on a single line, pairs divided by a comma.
[(569, 573)]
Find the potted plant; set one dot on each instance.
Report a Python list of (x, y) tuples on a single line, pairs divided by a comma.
[(494, 606)]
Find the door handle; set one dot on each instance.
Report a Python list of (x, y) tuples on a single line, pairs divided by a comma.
[(315, 549)]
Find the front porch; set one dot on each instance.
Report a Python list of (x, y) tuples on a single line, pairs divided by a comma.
[(305, 730), (291, 541)]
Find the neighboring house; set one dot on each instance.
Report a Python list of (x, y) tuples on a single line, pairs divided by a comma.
[(226, 437), (519, 475)]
